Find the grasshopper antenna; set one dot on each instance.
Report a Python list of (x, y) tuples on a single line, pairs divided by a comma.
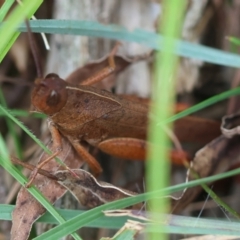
[(34, 50)]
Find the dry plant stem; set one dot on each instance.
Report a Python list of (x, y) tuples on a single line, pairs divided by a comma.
[(32, 167), (104, 72), (38, 167), (34, 49), (233, 101)]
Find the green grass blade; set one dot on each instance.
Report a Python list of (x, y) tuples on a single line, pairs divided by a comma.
[(5, 8), (11, 129), (27, 131), (177, 224), (163, 95), (104, 222), (8, 30), (220, 202), (203, 104), (24, 128), (23, 113), (150, 39), (234, 40)]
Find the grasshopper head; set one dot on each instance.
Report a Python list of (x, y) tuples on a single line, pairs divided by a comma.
[(49, 94)]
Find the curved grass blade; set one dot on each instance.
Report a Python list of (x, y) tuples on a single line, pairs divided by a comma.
[(150, 39)]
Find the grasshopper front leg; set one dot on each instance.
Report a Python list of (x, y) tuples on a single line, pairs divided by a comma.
[(91, 161), (57, 144)]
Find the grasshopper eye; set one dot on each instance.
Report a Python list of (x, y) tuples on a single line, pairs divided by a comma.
[(53, 99), (49, 94)]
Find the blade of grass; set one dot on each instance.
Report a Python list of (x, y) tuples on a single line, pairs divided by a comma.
[(202, 105), (104, 222), (163, 95), (8, 33), (23, 113), (11, 129), (28, 132), (25, 129), (5, 8), (220, 202), (234, 43), (116, 222), (212, 194), (150, 39), (234, 40)]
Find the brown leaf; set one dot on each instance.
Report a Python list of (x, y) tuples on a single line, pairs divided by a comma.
[(90, 192), (231, 125), (216, 157), (28, 209)]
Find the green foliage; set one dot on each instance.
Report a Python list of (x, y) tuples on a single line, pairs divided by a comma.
[(163, 95)]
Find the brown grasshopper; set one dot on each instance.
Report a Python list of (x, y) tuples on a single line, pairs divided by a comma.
[(86, 114)]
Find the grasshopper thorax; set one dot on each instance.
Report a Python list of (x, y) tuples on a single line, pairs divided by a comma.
[(49, 94)]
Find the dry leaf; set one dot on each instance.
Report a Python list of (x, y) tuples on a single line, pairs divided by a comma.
[(85, 188), (216, 157), (89, 191), (231, 125), (28, 209)]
